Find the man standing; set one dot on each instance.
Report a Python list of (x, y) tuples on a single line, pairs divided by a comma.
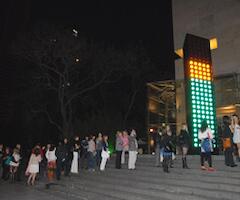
[(68, 156)]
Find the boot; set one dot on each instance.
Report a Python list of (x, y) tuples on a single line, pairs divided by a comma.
[(185, 163)]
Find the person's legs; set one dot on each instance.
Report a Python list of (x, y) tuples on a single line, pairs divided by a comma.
[(118, 159), (33, 178), (238, 151), (103, 164), (202, 155), (30, 178), (134, 159), (123, 157), (130, 160), (209, 159), (184, 155), (157, 155)]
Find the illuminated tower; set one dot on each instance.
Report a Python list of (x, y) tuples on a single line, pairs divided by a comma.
[(200, 98)]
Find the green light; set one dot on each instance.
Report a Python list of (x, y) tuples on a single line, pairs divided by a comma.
[(195, 135), (193, 92), (195, 125), (195, 130), (206, 99), (193, 88), (194, 110), (193, 101), (197, 89), (201, 85), (195, 145), (195, 140), (194, 120)]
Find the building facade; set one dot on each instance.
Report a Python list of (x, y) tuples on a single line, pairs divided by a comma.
[(219, 22)]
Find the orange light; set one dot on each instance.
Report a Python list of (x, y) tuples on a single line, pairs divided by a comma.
[(208, 70), (191, 70), (207, 66), (195, 63), (200, 72), (200, 76), (205, 78), (195, 67), (196, 76), (151, 130), (203, 65), (204, 73), (199, 64), (200, 68), (190, 62), (191, 66), (208, 78), (192, 75), (204, 69), (208, 74)]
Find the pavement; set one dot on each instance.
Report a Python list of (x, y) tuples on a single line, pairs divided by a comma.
[(147, 182)]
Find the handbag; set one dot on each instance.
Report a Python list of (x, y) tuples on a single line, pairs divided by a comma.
[(105, 154), (226, 143)]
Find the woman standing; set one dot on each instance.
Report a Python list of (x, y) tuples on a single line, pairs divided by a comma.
[(133, 150), (33, 165), (51, 162), (236, 134), (184, 142), (91, 153), (228, 142), (125, 146), (118, 148), (206, 137), (74, 165), (14, 163), (104, 153), (99, 146), (167, 150)]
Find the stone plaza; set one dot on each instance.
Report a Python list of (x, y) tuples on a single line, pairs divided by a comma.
[(146, 182)]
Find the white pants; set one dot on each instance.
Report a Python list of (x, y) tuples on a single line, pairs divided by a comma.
[(132, 159), (103, 164)]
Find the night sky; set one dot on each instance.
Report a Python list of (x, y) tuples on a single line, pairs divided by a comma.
[(119, 23)]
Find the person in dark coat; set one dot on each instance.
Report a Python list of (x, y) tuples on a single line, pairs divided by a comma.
[(60, 154), (167, 149), (227, 137), (183, 141), (68, 156), (157, 141), (84, 153)]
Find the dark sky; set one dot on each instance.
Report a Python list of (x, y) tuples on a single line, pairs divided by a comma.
[(119, 22)]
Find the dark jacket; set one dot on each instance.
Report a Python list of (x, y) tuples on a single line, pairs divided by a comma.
[(183, 139), (167, 143)]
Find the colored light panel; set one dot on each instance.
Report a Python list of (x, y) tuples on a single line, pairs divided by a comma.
[(201, 97)]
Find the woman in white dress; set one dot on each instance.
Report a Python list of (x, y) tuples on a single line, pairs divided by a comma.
[(74, 166), (33, 166), (236, 134)]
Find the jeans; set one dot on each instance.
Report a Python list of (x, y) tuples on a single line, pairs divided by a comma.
[(91, 160), (206, 156), (228, 153)]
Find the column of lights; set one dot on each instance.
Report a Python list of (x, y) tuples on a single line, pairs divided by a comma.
[(201, 92)]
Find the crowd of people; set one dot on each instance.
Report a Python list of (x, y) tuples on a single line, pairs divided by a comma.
[(166, 144), (68, 157), (92, 153)]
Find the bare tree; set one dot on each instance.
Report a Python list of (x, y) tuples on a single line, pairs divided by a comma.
[(67, 68)]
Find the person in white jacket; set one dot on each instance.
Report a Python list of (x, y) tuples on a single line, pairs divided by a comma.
[(205, 136)]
